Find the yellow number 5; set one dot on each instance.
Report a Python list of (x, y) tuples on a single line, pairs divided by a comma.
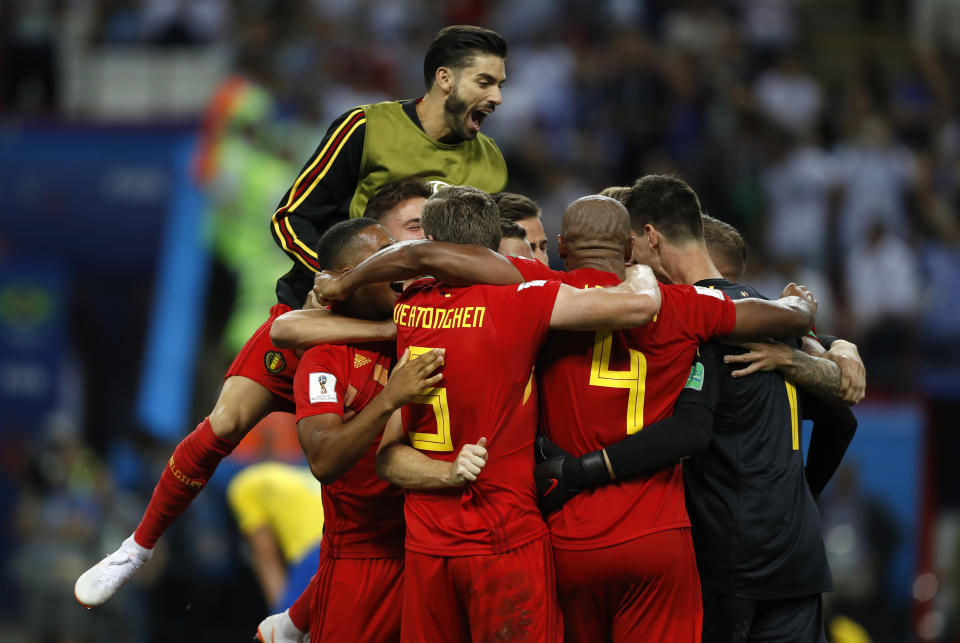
[(437, 398), (634, 380)]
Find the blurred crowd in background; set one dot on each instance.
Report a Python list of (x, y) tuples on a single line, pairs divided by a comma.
[(826, 131)]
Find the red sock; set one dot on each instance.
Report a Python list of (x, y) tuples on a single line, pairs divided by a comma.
[(191, 465), (300, 610)]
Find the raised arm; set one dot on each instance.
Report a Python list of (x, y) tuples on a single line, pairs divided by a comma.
[(632, 303), (306, 328), (333, 446), (790, 316), (401, 464), (451, 263)]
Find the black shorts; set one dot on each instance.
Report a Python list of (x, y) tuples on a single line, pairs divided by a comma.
[(728, 619)]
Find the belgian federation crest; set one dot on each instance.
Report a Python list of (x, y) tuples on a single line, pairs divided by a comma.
[(274, 362)]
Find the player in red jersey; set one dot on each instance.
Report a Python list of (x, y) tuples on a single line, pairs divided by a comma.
[(343, 403), (525, 212), (595, 240), (259, 381), (478, 561)]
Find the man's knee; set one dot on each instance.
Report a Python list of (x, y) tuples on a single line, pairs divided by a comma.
[(228, 424), (242, 404)]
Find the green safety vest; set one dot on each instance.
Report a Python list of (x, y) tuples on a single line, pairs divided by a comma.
[(395, 148)]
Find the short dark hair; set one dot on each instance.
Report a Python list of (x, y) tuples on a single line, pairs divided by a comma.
[(725, 242), (668, 204), (512, 230), (392, 194), (456, 45), (337, 245), (461, 214), (516, 207)]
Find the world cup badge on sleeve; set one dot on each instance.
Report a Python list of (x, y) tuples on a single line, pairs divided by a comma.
[(323, 388)]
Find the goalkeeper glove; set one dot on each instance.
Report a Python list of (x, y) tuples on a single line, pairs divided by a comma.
[(560, 476)]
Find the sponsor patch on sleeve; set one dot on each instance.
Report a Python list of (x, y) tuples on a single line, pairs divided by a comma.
[(323, 388), (531, 284), (695, 381), (711, 292)]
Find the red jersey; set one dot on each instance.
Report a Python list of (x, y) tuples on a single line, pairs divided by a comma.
[(491, 335), (596, 388), (363, 515)]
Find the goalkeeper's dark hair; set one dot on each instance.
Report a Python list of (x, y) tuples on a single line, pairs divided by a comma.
[(338, 245), (462, 214), (456, 45), (667, 203)]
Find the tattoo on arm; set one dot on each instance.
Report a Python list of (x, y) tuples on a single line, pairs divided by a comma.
[(818, 376)]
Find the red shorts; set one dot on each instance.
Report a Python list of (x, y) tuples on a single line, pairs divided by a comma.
[(264, 363), (646, 589), (503, 597), (357, 599)]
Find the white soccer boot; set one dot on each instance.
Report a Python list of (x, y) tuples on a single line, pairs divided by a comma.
[(279, 628), (96, 585)]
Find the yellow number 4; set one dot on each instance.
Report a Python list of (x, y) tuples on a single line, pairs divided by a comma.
[(437, 398), (634, 380)]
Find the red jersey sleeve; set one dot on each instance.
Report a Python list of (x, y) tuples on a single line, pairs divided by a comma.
[(528, 307), (705, 312), (531, 269), (320, 384)]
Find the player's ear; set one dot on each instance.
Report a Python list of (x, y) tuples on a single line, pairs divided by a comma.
[(652, 237), (430, 237), (561, 248), (446, 79)]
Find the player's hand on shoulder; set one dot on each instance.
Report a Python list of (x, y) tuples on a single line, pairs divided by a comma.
[(327, 288), (469, 463), (853, 374), (796, 290), (759, 356), (411, 377), (641, 280), (552, 489)]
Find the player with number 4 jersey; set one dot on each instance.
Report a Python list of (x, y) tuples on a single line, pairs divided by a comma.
[(625, 564)]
